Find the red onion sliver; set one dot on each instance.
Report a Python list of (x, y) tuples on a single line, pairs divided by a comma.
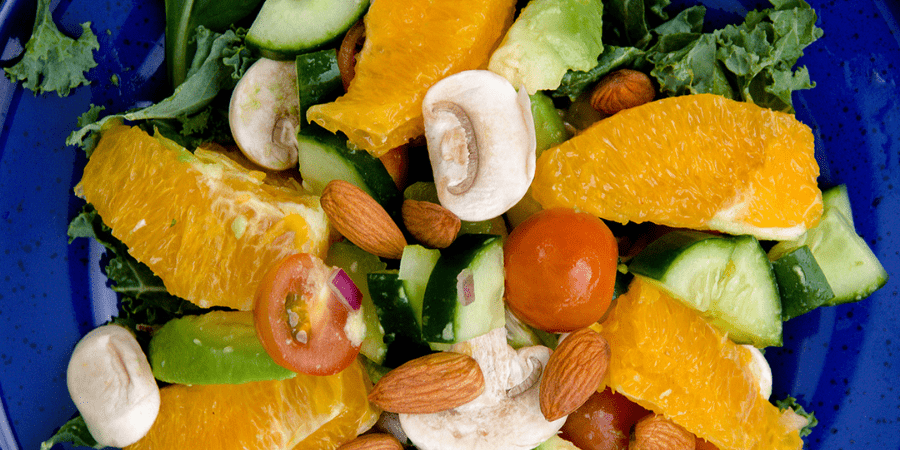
[(344, 289), (465, 287)]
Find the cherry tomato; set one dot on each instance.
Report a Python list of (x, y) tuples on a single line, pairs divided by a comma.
[(560, 269), (299, 321), (603, 422)]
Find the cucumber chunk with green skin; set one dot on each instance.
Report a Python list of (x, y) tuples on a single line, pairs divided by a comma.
[(728, 280), (801, 283), (549, 128), (219, 347), (358, 263), (838, 198), (851, 268), (416, 265), (464, 295), (324, 156), (318, 79), (401, 328), (286, 28)]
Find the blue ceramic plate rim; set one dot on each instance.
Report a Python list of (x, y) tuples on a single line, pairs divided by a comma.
[(838, 361)]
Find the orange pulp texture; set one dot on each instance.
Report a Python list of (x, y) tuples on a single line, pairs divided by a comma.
[(698, 161), (668, 359), (208, 226), (305, 413), (409, 46)]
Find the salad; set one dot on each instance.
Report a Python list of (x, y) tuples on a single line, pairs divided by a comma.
[(481, 251)]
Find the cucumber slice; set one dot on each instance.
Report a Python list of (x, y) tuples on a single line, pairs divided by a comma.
[(416, 265), (728, 280), (851, 268), (401, 327), (838, 198), (286, 28), (324, 156), (318, 79), (358, 264), (473, 261), (801, 283), (219, 347)]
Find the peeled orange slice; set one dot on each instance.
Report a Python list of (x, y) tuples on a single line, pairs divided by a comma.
[(409, 46), (698, 161), (208, 226), (665, 357), (305, 412)]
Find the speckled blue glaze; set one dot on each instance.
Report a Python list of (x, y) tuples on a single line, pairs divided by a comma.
[(842, 362)]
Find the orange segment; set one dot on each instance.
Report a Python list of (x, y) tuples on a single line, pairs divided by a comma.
[(409, 46), (305, 412), (207, 226), (699, 161), (669, 360)]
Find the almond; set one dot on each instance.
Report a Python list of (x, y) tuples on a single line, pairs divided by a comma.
[(622, 89), (574, 372), (357, 216), (655, 432), (373, 441), (430, 384), (430, 223)]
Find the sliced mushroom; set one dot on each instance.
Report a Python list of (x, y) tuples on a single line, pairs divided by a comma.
[(264, 114), (112, 385), (506, 415), (481, 143)]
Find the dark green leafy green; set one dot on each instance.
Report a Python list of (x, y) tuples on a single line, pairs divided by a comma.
[(52, 60), (75, 432), (791, 403), (220, 61), (183, 17), (143, 297), (751, 62)]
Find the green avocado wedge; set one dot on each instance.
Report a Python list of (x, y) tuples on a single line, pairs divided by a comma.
[(219, 347)]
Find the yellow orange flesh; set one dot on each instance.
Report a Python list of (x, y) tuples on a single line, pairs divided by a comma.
[(409, 46), (668, 359), (206, 225)]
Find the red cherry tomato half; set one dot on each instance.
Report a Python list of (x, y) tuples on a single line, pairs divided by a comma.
[(603, 422), (299, 321), (560, 269)]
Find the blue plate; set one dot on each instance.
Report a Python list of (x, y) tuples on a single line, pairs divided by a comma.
[(842, 362)]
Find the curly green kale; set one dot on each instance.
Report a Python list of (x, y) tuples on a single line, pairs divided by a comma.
[(52, 60)]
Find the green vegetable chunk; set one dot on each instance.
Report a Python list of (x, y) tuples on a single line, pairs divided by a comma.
[(54, 61), (219, 347), (728, 280), (548, 38), (802, 284), (398, 318)]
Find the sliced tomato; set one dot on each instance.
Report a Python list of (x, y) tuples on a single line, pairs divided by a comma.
[(299, 321)]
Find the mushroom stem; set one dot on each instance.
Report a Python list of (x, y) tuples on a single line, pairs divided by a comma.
[(284, 133), (536, 369), (471, 144)]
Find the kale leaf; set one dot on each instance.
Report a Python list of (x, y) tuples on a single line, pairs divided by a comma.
[(74, 431), (752, 62), (791, 403), (52, 60), (220, 61)]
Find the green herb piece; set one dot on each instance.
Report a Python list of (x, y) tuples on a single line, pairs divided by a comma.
[(74, 431), (220, 61), (183, 17), (791, 403), (52, 60)]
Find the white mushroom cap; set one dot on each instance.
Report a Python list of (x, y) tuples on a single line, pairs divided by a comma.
[(112, 385), (481, 143), (264, 114), (507, 415)]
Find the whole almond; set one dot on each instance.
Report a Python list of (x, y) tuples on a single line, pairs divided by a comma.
[(622, 89), (359, 218), (373, 441), (655, 432), (574, 372), (429, 384), (430, 223)]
